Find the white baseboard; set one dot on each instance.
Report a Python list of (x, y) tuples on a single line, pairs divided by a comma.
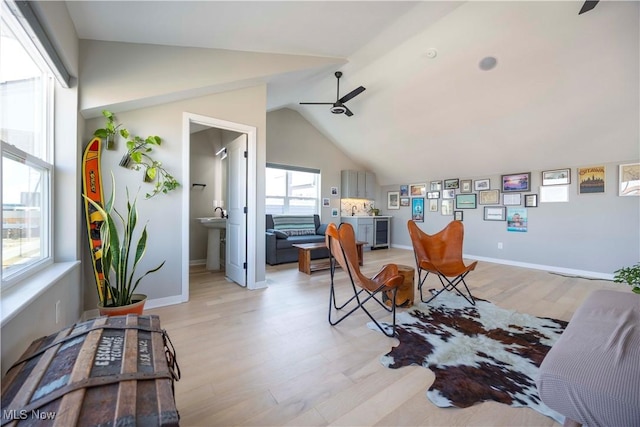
[(152, 303), (550, 268), (197, 262)]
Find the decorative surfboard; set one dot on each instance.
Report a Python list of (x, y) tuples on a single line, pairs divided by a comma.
[(92, 188)]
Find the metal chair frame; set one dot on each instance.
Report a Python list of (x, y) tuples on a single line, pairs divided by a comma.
[(433, 264), (387, 279)]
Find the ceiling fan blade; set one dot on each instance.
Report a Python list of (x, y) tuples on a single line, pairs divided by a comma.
[(587, 6), (347, 112), (316, 103), (352, 94)]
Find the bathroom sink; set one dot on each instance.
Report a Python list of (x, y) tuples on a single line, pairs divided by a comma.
[(213, 222)]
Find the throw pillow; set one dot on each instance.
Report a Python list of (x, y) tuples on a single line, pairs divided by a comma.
[(295, 225)]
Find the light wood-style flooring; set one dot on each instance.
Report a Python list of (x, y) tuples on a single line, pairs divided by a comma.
[(269, 357)]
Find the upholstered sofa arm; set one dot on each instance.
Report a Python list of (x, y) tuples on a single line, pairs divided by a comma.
[(271, 254)]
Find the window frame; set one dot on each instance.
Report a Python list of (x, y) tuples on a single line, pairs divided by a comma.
[(286, 198), (45, 163)]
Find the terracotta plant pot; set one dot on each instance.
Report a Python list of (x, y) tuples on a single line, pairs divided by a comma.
[(135, 308)]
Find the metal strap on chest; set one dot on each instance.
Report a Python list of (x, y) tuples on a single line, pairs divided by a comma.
[(85, 332)]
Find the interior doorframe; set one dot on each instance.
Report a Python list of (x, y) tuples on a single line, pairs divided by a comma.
[(251, 132)]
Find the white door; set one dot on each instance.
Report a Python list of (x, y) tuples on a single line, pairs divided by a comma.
[(236, 252)]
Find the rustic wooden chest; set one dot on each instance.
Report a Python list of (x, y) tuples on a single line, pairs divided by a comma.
[(104, 372)]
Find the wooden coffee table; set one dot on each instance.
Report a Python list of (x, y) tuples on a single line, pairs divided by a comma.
[(304, 256)]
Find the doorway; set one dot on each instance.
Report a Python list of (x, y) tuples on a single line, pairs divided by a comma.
[(246, 226)]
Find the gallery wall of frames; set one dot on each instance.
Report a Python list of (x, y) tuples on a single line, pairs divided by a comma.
[(508, 202)]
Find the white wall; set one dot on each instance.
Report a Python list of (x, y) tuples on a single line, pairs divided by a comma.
[(292, 140), (205, 169), (164, 212), (592, 234)]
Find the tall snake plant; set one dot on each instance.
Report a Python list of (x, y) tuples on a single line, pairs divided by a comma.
[(118, 266)]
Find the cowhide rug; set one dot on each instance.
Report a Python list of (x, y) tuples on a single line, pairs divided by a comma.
[(477, 353)]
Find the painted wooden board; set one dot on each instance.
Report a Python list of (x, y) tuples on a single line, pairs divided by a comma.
[(92, 188)]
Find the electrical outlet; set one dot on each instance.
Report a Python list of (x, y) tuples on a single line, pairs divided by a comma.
[(499, 245), (57, 312)]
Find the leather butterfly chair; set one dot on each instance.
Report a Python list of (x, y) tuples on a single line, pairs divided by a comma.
[(341, 242), (441, 254)]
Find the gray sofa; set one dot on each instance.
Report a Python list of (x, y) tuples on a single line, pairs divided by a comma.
[(280, 245)]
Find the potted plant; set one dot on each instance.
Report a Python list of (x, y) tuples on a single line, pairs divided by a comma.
[(630, 276), (120, 258), (138, 155), (110, 131)]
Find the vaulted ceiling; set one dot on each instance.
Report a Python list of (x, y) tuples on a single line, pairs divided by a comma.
[(564, 90)]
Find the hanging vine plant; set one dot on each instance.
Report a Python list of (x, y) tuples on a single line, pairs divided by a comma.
[(110, 131), (138, 157)]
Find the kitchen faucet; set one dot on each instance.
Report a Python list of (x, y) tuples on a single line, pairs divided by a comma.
[(352, 208)]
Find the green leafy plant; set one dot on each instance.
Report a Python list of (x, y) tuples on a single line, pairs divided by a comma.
[(138, 155), (120, 257), (630, 276), (138, 152), (111, 130)]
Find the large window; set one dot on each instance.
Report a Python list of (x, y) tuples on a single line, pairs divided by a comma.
[(27, 165), (291, 190)]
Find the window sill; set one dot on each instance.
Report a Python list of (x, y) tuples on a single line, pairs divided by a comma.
[(19, 296)]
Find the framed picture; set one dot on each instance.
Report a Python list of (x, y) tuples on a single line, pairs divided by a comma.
[(512, 199), (495, 213), (418, 190), (591, 180), (447, 207), (417, 209), (458, 215), (556, 177), (405, 201), (334, 191), (554, 194), (393, 200), (465, 186), (334, 212), (433, 205), (435, 186), (530, 200), (433, 195), (466, 201), (481, 184), (489, 197), (325, 202), (517, 219), (516, 182), (451, 183), (629, 180), (404, 190), (448, 194)]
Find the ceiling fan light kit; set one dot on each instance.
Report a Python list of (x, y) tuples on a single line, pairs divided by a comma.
[(338, 107)]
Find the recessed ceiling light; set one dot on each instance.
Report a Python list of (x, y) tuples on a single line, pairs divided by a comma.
[(488, 63), (432, 53)]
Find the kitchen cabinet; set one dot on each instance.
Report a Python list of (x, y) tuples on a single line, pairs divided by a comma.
[(362, 227), (358, 184), (374, 230)]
